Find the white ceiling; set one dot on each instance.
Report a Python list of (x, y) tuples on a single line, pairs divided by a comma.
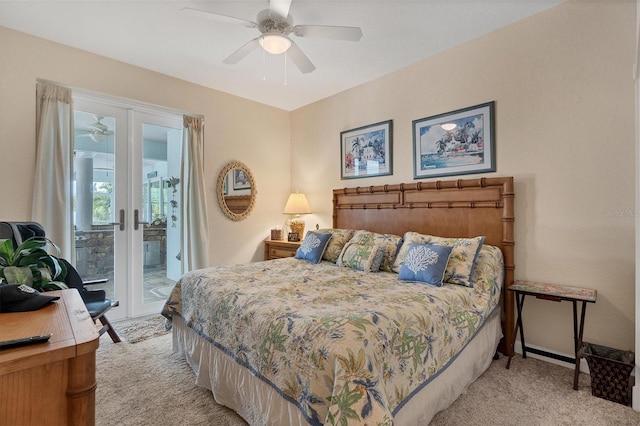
[(156, 35)]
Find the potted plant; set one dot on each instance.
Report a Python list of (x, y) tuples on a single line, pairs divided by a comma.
[(31, 264)]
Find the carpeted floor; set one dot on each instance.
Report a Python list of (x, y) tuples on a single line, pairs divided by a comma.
[(147, 384), (138, 329)]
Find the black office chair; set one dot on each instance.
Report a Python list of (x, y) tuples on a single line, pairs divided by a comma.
[(95, 300), (19, 232)]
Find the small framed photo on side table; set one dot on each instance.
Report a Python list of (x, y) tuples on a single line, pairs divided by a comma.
[(293, 236)]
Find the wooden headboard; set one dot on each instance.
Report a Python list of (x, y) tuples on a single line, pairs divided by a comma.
[(447, 208)]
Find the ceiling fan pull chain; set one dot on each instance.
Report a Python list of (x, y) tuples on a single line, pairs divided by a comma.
[(264, 66)]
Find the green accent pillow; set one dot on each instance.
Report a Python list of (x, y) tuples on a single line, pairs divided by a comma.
[(363, 257), (388, 241), (339, 238)]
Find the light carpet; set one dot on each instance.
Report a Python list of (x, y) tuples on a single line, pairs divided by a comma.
[(135, 330), (147, 384)]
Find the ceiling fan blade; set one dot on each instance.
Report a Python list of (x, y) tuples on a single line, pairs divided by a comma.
[(239, 54), (101, 127), (300, 59), (328, 31), (98, 123), (279, 9), (217, 17)]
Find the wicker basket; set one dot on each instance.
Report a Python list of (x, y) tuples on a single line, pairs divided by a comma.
[(610, 371)]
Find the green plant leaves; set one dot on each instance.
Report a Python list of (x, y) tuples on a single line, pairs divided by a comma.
[(6, 252), (33, 257)]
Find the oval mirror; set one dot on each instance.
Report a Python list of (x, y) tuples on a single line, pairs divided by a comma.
[(236, 191)]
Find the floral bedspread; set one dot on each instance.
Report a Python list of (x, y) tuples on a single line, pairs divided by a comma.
[(345, 346)]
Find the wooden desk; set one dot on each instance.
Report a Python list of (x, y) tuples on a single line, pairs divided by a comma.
[(555, 293), (49, 383)]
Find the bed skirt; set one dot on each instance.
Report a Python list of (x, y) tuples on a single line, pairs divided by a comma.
[(259, 404)]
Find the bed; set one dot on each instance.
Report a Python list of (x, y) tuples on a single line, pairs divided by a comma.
[(288, 342)]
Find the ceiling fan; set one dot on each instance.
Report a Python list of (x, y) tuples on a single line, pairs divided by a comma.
[(100, 132), (275, 25)]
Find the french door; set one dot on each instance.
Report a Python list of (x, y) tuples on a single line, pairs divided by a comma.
[(126, 195)]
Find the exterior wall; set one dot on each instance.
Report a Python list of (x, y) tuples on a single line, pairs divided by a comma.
[(94, 251)]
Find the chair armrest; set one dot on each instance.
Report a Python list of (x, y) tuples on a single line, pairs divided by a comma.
[(93, 282)]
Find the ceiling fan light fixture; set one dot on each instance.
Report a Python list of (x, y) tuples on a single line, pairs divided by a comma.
[(274, 43)]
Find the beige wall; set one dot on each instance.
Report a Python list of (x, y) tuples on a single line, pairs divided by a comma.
[(564, 91), (235, 129), (562, 82)]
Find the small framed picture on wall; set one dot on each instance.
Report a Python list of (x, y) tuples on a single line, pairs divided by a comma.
[(366, 151)]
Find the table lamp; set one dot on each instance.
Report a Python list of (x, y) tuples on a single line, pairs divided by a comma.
[(297, 205)]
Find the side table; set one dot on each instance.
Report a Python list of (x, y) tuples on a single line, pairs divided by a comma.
[(555, 293), (276, 249)]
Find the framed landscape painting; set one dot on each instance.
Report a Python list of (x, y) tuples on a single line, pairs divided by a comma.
[(455, 143), (366, 151)]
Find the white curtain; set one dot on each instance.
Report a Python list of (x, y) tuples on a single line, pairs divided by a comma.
[(52, 199), (193, 206)]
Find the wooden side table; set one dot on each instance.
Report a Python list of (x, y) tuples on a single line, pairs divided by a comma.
[(555, 293), (277, 249)]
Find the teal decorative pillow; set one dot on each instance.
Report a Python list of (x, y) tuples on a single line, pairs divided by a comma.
[(388, 241), (408, 239), (425, 263), (363, 257), (313, 246), (461, 262), (339, 238)]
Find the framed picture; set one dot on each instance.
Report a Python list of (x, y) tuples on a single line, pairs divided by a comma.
[(240, 180), (366, 151), (293, 236), (455, 143), (225, 185)]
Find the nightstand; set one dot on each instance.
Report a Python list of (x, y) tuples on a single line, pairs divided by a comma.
[(274, 249)]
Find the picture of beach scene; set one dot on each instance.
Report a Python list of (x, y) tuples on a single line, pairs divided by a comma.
[(453, 143), (365, 151)]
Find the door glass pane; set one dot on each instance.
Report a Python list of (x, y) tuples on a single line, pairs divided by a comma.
[(93, 197), (159, 209)]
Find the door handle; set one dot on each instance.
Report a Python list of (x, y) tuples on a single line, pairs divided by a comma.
[(121, 222), (136, 221)]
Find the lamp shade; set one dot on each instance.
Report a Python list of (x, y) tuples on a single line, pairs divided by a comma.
[(297, 204)]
